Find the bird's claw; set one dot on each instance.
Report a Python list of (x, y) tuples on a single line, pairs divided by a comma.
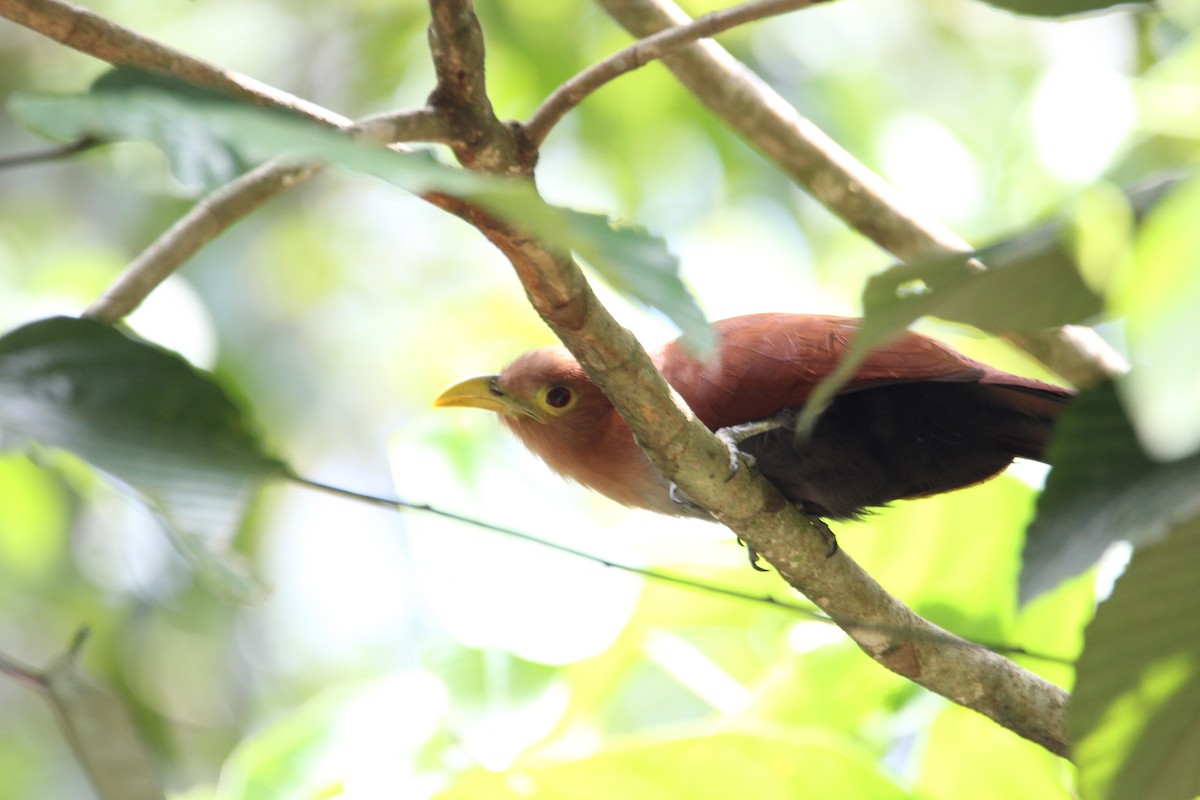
[(829, 535), (679, 498), (753, 555)]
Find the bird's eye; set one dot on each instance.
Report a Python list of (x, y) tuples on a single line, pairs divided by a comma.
[(558, 397)]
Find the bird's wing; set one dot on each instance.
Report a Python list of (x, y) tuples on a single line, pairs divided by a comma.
[(768, 362)]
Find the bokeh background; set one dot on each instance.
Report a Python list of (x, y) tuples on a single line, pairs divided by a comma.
[(402, 655)]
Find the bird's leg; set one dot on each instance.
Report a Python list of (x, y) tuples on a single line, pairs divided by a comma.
[(733, 436)]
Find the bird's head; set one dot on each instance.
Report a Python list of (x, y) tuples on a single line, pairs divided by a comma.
[(541, 392), (552, 406)]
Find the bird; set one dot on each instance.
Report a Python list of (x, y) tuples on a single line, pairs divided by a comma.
[(916, 419)]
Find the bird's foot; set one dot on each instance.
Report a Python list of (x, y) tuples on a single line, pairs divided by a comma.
[(753, 556), (733, 436)]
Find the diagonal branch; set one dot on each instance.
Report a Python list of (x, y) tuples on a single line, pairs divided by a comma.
[(820, 166), (646, 50)]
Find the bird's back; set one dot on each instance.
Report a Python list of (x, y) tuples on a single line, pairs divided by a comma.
[(917, 418)]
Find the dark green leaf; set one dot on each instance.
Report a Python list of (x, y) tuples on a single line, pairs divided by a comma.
[(641, 267), (196, 127), (1032, 281), (135, 411), (1135, 711), (1103, 489), (1060, 8)]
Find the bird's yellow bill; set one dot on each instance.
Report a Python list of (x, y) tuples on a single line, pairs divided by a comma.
[(475, 393)]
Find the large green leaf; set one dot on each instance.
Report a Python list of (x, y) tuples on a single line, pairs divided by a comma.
[(1032, 281), (1103, 489), (1135, 712), (139, 413), (206, 135), (714, 767)]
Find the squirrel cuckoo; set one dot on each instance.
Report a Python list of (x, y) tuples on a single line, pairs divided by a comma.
[(916, 419)]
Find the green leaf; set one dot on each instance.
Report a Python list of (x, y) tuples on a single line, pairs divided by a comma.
[(1103, 489), (641, 267), (204, 132), (1060, 8), (99, 730), (1135, 712), (1033, 280), (714, 767), (1159, 295), (968, 755), (1030, 282), (137, 412), (282, 760)]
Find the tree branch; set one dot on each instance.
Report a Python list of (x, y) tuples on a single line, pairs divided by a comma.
[(645, 51), (456, 44), (820, 166), (88, 32)]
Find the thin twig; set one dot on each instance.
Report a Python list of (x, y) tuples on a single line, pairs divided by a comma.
[(824, 169), (645, 51), (396, 504), (200, 225), (50, 153)]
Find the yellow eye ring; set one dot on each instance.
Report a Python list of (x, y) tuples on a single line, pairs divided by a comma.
[(556, 399)]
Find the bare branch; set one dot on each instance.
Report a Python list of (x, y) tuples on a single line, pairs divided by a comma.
[(203, 223), (88, 32), (456, 43), (645, 51), (835, 178)]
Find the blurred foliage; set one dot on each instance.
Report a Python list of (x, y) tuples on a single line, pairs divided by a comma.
[(400, 655)]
